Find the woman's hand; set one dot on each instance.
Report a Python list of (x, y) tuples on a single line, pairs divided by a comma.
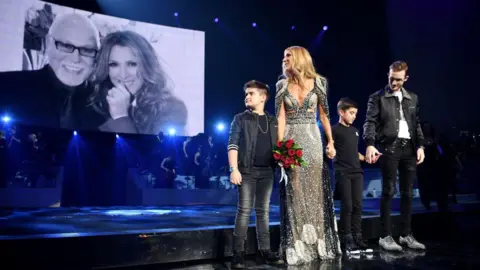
[(118, 99), (331, 150)]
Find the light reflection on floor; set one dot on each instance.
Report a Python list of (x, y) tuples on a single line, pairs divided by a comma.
[(140, 212)]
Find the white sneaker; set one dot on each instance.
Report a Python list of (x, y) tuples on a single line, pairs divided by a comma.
[(389, 244), (411, 242)]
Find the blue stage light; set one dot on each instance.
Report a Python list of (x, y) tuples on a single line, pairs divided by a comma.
[(220, 127), (6, 119)]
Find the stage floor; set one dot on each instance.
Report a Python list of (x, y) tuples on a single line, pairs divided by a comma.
[(59, 238), (89, 221), (97, 221), (439, 255)]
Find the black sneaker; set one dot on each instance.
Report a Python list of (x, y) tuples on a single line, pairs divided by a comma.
[(238, 260), (361, 244), (269, 257), (349, 245)]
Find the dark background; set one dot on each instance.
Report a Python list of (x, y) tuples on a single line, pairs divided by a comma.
[(436, 38)]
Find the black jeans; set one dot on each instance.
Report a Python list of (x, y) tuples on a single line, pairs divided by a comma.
[(400, 156), (256, 189), (350, 187)]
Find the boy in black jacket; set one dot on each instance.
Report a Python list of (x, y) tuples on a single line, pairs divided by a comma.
[(252, 137)]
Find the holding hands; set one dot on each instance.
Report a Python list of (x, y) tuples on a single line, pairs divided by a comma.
[(372, 154), (331, 153)]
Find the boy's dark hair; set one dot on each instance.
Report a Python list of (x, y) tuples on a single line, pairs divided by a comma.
[(346, 103), (262, 87)]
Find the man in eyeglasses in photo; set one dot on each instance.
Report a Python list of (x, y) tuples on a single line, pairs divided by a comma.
[(71, 46), (56, 95)]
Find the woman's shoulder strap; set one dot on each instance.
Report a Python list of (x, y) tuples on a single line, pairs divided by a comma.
[(321, 85), (281, 85)]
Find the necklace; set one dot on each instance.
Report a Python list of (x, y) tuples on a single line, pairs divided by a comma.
[(259, 127)]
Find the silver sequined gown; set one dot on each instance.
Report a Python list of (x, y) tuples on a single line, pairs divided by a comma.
[(308, 226)]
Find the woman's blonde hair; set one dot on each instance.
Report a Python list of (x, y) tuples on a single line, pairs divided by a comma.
[(302, 64)]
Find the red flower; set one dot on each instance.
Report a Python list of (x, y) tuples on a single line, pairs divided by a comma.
[(288, 154), (289, 144)]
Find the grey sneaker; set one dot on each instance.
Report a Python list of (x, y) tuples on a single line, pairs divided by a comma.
[(411, 242), (389, 244)]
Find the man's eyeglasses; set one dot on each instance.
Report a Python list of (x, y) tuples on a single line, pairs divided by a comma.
[(69, 48)]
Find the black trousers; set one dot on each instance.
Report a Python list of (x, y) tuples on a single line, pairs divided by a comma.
[(399, 156), (255, 191), (350, 187)]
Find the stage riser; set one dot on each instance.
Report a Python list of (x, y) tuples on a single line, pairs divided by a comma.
[(138, 192), (43, 198), (106, 251)]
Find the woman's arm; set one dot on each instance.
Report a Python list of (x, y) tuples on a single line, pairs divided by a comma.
[(324, 115), (280, 109), (325, 124), (281, 122)]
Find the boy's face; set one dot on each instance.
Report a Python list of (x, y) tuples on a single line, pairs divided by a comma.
[(254, 98), (349, 115)]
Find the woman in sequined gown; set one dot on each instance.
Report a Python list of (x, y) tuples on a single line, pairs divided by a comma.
[(308, 227)]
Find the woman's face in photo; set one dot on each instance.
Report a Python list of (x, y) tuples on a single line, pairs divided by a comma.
[(123, 69)]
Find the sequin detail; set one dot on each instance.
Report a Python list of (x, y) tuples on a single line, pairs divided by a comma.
[(308, 225), (302, 118)]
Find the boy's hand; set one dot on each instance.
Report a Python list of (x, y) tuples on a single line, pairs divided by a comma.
[(235, 177)]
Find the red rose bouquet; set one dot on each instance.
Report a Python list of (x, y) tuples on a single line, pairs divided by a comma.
[(288, 154)]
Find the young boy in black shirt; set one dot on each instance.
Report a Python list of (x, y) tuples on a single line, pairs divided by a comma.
[(349, 177)]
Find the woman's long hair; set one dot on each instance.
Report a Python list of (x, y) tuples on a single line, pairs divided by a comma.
[(153, 96), (302, 65)]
